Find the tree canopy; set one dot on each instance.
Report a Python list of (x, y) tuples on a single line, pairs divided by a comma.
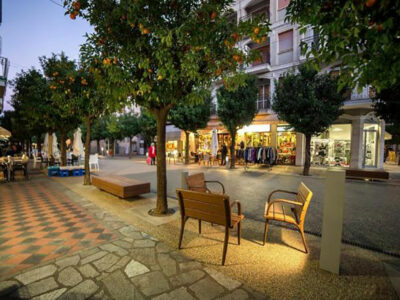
[(237, 108), (361, 35), (309, 102), (157, 55)]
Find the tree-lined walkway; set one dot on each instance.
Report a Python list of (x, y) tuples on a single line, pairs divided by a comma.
[(68, 248)]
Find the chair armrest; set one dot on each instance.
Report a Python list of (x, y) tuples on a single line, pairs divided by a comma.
[(239, 206), (280, 191), (215, 181), (269, 204)]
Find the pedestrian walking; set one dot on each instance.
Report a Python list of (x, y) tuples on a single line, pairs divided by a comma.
[(152, 154), (224, 152)]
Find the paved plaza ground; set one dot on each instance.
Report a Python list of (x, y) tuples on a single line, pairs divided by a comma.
[(62, 240), (372, 209)]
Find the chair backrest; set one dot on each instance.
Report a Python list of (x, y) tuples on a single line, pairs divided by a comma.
[(213, 208), (304, 195), (92, 158), (196, 182)]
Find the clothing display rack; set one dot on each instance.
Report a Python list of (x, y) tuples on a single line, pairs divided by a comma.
[(260, 155)]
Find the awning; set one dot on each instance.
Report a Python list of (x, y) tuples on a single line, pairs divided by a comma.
[(4, 133)]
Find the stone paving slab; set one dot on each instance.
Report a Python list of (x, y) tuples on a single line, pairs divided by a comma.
[(134, 266)]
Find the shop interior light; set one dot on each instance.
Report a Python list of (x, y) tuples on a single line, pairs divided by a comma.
[(255, 128)]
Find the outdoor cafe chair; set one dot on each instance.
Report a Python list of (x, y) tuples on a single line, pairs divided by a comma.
[(289, 211), (94, 161), (197, 182)]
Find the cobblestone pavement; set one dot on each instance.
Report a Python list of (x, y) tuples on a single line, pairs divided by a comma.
[(133, 266)]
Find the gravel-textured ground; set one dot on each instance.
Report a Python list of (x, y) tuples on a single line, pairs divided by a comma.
[(280, 269)]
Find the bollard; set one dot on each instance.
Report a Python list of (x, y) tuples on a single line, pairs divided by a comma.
[(183, 180), (332, 221)]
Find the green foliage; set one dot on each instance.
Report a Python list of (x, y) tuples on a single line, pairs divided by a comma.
[(387, 104), (33, 112), (148, 126), (238, 108), (191, 117), (129, 124), (309, 102), (361, 35)]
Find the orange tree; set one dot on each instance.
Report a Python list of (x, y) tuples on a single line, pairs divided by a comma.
[(57, 70), (168, 51)]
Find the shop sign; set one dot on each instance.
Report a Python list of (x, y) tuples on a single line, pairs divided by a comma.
[(255, 128), (283, 128)]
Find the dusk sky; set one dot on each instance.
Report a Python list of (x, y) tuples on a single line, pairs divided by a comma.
[(32, 28)]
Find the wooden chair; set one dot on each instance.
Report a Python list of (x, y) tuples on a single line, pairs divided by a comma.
[(289, 211), (197, 182), (212, 208)]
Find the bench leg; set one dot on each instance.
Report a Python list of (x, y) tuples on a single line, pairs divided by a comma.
[(183, 222), (265, 231), (226, 241), (304, 239), (200, 226)]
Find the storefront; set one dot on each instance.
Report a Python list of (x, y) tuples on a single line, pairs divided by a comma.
[(333, 147), (286, 145)]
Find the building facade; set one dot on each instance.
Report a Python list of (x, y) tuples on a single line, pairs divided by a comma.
[(355, 140), (4, 66)]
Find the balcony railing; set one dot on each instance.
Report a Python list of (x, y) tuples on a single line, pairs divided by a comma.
[(4, 66)]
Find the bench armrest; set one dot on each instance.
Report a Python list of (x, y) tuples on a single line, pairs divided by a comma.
[(215, 181), (239, 206), (269, 204), (280, 191)]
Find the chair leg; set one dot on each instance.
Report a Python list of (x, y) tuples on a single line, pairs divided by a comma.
[(183, 222), (199, 226), (265, 231), (239, 231), (304, 239), (226, 241)]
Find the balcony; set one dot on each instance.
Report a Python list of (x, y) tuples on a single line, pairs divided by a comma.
[(263, 104)]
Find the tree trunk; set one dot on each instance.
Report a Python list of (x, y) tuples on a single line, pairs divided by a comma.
[(39, 144), (50, 140), (30, 148), (63, 148), (86, 180), (187, 148), (162, 203), (307, 161), (233, 142), (98, 146), (130, 147)]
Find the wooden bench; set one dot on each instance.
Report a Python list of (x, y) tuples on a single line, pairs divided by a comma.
[(367, 174), (212, 208), (121, 186)]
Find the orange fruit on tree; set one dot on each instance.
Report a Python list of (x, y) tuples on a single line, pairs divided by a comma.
[(236, 57), (370, 3), (115, 61), (213, 15), (256, 30), (218, 72), (235, 36), (150, 70), (146, 31), (159, 77)]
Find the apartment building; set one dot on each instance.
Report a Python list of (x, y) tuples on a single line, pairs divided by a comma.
[(4, 66), (355, 140)]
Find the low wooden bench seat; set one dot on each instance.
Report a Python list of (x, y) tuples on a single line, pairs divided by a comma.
[(212, 208), (121, 186), (367, 174)]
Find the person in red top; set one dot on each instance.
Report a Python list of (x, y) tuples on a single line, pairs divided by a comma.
[(152, 154)]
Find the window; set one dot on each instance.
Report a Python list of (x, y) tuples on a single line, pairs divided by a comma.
[(264, 58), (286, 41), (283, 4), (263, 97)]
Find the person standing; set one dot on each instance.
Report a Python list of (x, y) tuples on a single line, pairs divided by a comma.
[(152, 154), (224, 152)]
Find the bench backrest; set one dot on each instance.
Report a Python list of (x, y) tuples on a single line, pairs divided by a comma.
[(196, 182), (213, 208), (304, 195)]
